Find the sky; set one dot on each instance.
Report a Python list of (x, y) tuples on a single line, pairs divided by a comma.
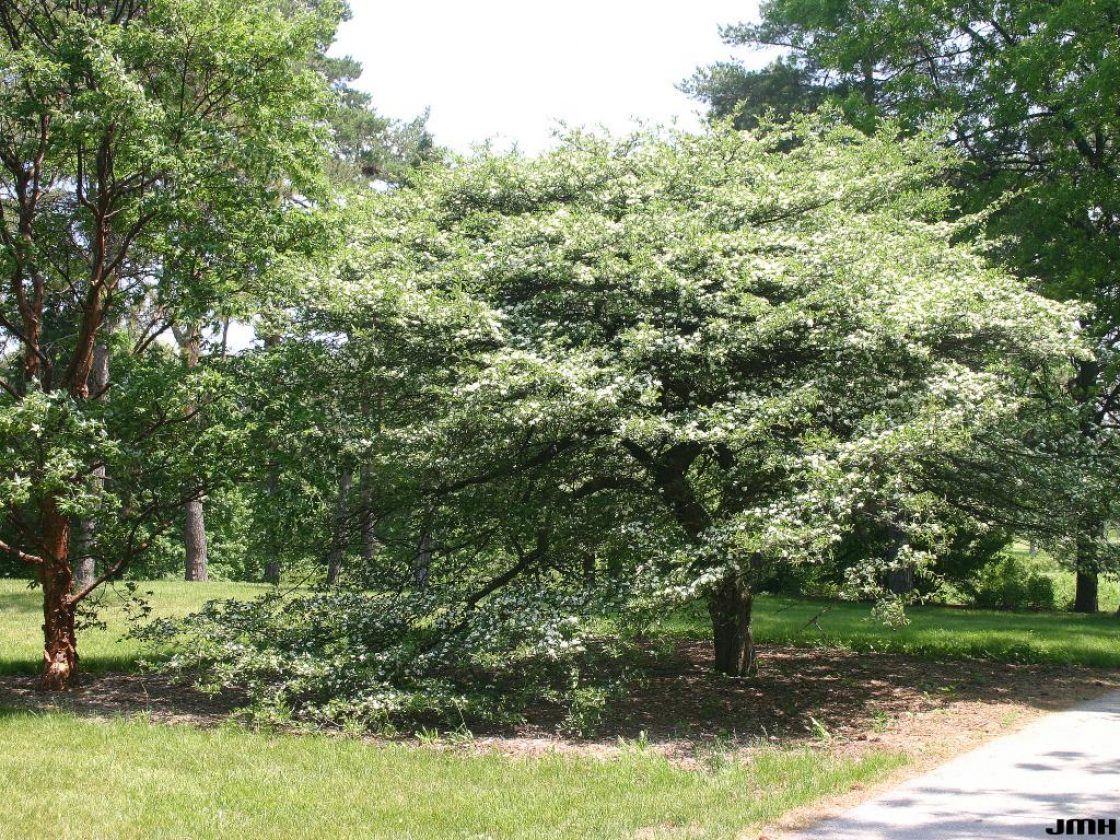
[(510, 71)]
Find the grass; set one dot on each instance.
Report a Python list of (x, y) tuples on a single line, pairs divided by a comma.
[(21, 618), (76, 778), (933, 632)]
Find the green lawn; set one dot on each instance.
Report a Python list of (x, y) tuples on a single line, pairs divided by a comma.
[(933, 632), (938, 632), (86, 778), (21, 619), (75, 778)]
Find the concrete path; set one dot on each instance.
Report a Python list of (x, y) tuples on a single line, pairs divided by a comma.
[(1064, 766)]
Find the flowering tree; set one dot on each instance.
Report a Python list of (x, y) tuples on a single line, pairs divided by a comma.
[(710, 352), (617, 377), (1025, 84)]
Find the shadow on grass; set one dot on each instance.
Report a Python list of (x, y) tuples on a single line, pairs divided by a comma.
[(93, 664)]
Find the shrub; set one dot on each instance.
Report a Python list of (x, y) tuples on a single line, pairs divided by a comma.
[(384, 662), (1008, 584)]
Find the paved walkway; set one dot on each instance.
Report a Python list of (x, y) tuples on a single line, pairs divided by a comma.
[(1064, 766)]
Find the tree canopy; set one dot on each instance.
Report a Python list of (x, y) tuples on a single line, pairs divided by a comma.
[(657, 368), (1029, 91)]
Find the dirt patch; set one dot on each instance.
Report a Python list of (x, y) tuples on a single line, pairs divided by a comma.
[(844, 697), (108, 695), (834, 700), (842, 701)]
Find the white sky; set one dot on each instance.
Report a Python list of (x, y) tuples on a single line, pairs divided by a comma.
[(510, 70)]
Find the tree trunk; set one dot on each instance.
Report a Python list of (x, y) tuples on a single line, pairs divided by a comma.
[(901, 581), (194, 529), (194, 537), (369, 540), (338, 550), (589, 569), (272, 491), (730, 609), (60, 642), (423, 565), (85, 567), (1085, 598)]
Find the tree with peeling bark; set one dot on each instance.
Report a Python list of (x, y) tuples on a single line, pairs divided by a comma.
[(115, 119)]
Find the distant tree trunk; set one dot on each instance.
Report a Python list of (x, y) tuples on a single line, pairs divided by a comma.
[(1085, 599), (194, 530), (730, 609), (194, 538), (272, 567), (589, 569), (85, 566), (1085, 596), (423, 567), (369, 540), (900, 580), (338, 549), (60, 641)]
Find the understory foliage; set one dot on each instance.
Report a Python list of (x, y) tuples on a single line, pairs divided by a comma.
[(385, 661), (618, 377), (1007, 584)]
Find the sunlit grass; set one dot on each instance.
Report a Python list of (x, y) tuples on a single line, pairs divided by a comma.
[(21, 619), (933, 632), (72, 778)]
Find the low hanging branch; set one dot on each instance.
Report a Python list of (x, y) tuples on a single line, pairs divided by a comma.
[(21, 555)]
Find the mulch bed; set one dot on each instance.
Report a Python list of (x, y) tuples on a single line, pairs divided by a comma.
[(835, 699)]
